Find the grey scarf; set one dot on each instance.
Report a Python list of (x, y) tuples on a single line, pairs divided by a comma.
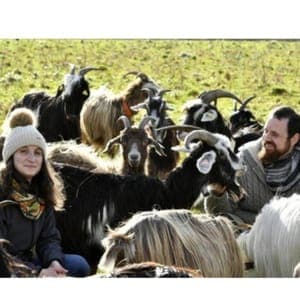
[(284, 173)]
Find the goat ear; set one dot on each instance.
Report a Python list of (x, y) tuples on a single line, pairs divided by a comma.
[(209, 116), (206, 161)]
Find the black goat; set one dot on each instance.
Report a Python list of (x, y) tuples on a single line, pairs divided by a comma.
[(58, 116), (95, 200), (243, 125), (158, 165), (199, 112), (134, 142)]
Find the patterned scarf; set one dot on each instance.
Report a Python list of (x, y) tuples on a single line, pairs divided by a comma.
[(31, 206), (284, 173)]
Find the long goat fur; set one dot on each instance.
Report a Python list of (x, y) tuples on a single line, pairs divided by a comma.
[(273, 243), (175, 237), (79, 155), (100, 112)]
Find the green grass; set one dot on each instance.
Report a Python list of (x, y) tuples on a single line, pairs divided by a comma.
[(269, 69)]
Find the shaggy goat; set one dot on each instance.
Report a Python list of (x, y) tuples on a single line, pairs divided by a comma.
[(158, 165), (273, 242), (134, 142), (78, 155), (95, 200), (58, 116), (175, 237), (100, 112)]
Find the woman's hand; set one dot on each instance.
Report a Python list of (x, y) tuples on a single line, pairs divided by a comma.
[(55, 269)]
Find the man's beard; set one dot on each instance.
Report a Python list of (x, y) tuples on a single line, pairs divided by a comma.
[(269, 156)]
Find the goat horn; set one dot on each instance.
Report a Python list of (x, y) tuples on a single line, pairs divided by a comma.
[(210, 96), (179, 127), (72, 71), (145, 120), (246, 102), (141, 75), (83, 71), (202, 135), (111, 142), (139, 106), (125, 121), (162, 92)]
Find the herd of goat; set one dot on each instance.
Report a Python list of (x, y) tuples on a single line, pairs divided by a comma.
[(100, 193)]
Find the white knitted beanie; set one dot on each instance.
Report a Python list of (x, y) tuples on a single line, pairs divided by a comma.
[(22, 132)]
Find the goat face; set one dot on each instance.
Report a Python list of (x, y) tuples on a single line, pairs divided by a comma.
[(202, 115), (216, 160), (240, 119), (76, 91), (134, 142)]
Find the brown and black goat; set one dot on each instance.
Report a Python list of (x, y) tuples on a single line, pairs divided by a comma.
[(98, 118), (134, 142), (156, 107)]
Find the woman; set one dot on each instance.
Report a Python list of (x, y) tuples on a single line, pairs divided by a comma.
[(30, 190)]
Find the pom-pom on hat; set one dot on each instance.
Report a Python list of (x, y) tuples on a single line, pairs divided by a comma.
[(22, 131)]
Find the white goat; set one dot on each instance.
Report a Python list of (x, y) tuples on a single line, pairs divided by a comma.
[(273, 243)]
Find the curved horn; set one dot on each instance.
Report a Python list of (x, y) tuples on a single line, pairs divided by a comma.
[(162, 92), (210, 96), (139, 106), (125, 121), (145, 120), (111, 142), (179, 127), (83, 71), (72, 70), (246, 102), (141, 75), (202, 135)]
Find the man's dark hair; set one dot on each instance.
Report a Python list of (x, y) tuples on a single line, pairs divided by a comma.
[(286, 112)]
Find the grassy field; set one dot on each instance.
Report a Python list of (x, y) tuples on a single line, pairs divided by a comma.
[(269, 69)]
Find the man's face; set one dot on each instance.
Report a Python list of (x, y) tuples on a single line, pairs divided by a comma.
[(276, 142)]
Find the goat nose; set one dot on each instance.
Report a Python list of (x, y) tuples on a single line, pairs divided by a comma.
[(134, 157)]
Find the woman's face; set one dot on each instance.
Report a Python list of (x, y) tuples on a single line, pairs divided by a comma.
[(28, 161)]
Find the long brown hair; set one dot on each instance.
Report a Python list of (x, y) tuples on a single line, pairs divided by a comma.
[(46, 184)]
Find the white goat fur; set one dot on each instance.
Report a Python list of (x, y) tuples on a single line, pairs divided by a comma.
[(273, 243)]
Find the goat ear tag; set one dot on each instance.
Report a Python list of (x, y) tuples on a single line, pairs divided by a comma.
[(209, 116), (206, 161)]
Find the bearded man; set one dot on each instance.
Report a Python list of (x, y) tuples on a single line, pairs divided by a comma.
[(272, 169)]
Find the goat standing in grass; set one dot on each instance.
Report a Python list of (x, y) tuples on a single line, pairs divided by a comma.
[(58, 116)]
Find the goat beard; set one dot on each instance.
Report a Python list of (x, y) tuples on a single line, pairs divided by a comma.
[(270, 156)]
